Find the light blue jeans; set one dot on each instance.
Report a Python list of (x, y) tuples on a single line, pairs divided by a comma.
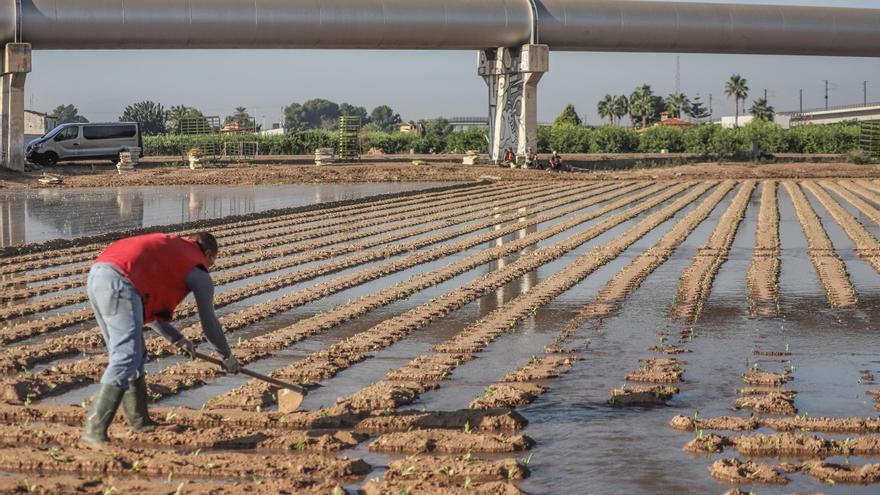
[(120, 314)]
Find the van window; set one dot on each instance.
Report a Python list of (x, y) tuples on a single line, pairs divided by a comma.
[(108, 131), (67, 134)]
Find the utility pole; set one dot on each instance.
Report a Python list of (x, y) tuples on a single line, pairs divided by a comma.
[(765, 94), (865, 90), (711, 111), (826, 94), (802, 101)]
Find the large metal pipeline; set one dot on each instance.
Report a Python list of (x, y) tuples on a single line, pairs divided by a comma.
[(573, 25)]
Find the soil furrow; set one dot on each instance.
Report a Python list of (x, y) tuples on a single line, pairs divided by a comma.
[(263, 222), (865, 243), (324, 364), (309, 249), (786, 445), (176, 379), (80, 372), (762, 278), (91, 338), (696, 282), (244, 250), (483, 421), (829, 267), (58, 246), (797, 423), (67, 485), (158, 464)]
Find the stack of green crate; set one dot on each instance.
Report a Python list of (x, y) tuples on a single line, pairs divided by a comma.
[(349, 130), (869, 138)]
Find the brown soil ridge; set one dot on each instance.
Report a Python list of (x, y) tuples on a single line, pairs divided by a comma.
[(762, 278), (696, 281), (255, 394), (658, 370), (300, 240), (311, 254), (261, 234), (64, 247), (507, 395), (158, 464), (737, 472), (71, 375), (449, 442), (642, 395), (474, 338), (381, 422), (177, 436), (865, 243), (67, 485), (829, 267), (766, 378), (325, 364), (787, 445), (826, 472), (398, 487), (800, 423), (454, 470)]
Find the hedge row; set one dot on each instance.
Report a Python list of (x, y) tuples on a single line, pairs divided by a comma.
[(707, 139), (305, 143)]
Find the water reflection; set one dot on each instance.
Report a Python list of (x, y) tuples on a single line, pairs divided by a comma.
[(40, 215)]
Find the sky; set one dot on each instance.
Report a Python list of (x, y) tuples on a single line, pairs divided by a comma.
[(424, 84)]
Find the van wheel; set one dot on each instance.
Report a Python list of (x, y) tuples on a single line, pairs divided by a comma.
[(49, 159)]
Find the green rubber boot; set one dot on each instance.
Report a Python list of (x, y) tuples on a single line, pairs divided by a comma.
[(101, 415), (134, 405)]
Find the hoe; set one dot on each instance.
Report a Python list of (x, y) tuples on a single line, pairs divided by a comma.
[(290, 396)]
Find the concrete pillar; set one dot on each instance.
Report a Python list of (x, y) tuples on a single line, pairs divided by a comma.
[(512, 75), (16, 66)]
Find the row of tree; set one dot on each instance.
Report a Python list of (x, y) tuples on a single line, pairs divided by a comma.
[(313, 114), (644, 107)]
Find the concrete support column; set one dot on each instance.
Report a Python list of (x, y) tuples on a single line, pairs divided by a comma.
[(512, 75), (16, 66)]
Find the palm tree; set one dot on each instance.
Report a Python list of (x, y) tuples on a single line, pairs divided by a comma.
[(737, 88), (641, 104), (762, 110), (621, 107), (675, 103), (606, 109)]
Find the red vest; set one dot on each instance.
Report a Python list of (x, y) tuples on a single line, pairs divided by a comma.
[(156, 265)]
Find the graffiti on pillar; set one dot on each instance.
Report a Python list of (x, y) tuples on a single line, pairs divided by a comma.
[(511, 100)]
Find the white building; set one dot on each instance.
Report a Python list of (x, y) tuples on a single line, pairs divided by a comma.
[(37, 124), (783, 121)]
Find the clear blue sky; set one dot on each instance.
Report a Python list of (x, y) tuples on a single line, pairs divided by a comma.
[(422, 84)]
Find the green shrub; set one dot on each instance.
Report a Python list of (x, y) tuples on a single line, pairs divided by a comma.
[(568, 138), (699, 138), (824, 138), (613, 139), (659, 138), (544, 139), (769, 137), (476, 139)]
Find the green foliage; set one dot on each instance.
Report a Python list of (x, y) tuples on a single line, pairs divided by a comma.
[(67, 114), (762, 110), (544, 139), (708, 139), (613, 139), (568, 116), (149, 114), (568, 138), (476, 139), (656, 139), (384, 119)]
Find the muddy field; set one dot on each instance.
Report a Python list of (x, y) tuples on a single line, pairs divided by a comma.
[(645, 333)]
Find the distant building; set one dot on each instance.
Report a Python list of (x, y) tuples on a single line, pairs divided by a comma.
[(667, 121), (37, 124), (782, 120), (467, 123), (412, 128), (276, 130)]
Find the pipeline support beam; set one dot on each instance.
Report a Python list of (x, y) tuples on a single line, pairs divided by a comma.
[(16, 66), (512, 75)]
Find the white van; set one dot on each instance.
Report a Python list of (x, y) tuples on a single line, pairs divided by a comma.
[(84, 142)]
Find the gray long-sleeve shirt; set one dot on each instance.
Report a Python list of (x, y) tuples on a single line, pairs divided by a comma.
[(200, 283)]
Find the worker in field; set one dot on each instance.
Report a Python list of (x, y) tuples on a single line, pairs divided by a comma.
[(140, 281)]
